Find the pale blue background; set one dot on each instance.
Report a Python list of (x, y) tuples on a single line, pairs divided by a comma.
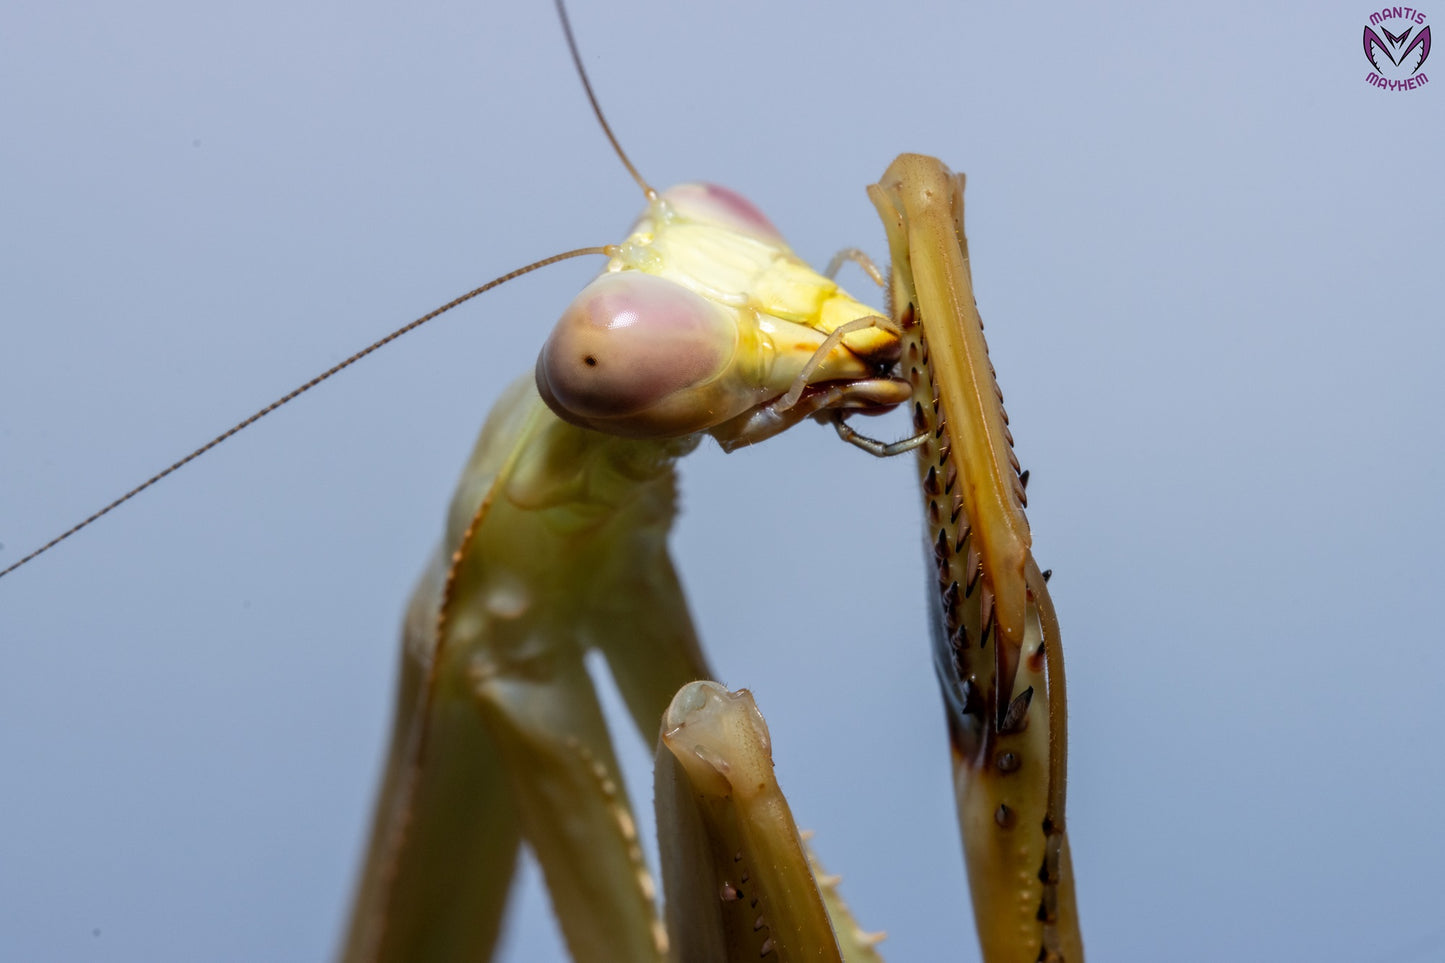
[(1209, 256)]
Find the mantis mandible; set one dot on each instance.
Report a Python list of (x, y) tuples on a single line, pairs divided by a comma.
[(290, 558)]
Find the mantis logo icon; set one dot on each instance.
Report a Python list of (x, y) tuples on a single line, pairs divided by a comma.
[(1398, 50)]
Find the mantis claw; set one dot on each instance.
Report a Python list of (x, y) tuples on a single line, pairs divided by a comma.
[(821, 355), (879, 449), (858, 257)]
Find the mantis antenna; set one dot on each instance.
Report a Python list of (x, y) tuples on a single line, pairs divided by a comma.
[(298, 392), (608, 251), (647, 188)]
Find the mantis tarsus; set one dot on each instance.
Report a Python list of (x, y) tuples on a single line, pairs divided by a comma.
[(180, 725)]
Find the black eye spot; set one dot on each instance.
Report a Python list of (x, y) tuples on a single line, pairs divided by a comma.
[(590, 361)]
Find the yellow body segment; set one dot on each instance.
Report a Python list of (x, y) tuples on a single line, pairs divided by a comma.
[(705, 320), (785, 307)]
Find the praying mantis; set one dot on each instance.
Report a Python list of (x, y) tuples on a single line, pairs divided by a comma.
[(906, 582), (136, 797)]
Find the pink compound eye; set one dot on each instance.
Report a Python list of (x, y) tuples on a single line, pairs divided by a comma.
[(718, 205), (627, 343)]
